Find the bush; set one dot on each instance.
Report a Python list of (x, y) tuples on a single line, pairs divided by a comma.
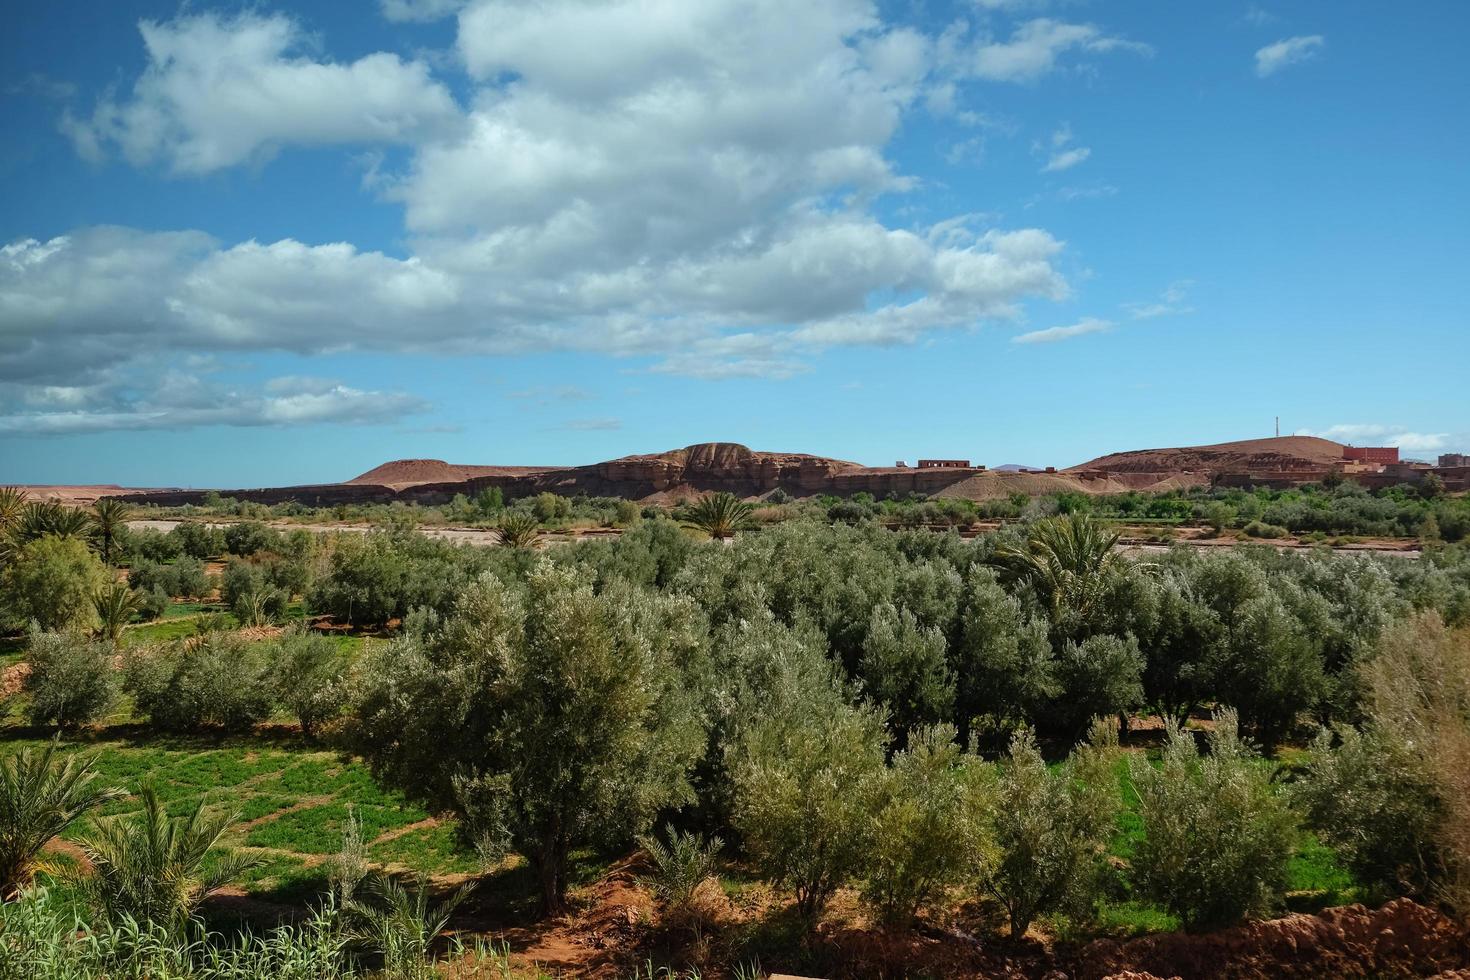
[(51, 582), (216, 680), (248, 537), (1257, 529), (153, 604), (929, 827), (190, 579), (1052, 826), (1102, 675), (310, 678), (1272, 670), (550, 507), (806, 777), (1217, 837), (680, 867), (249, 594), (1372, 799), (72, 681), (549, 719), (904, 668), (1418, 689), (199, 540)]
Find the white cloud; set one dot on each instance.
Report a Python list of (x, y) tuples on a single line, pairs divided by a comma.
[(1258, 16), (1033, 50), (690, 184), (420, 10), (1054, 334), (1061, 155), (1293, 50), (1382, 435), (1066, 159), (181, 400), (219, 92), (1173, 301)]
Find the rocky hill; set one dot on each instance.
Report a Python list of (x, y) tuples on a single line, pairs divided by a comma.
[(1283, 454), (402, 473)]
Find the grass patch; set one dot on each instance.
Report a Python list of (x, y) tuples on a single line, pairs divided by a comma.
[(318, 829), (434, 849)]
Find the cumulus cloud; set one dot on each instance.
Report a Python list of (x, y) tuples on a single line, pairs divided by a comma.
[(218, 92), (1034, 49), (183, 400), (1053, 334), (688, 184), (1290, 51), (1371, 433)]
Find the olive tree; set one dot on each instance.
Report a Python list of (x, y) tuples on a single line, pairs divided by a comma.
[(1051, 827), (72, 681), (929, 829), (549, 717), (807, 766), (1217, 837), (904, 668)]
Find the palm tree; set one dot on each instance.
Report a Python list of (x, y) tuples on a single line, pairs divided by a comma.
[(116, 605), (152, 867), (1064, 559), (720, 515), (12, 501), (518, 529), (109, 518), (40, 796), (399, 922), (42, 517)]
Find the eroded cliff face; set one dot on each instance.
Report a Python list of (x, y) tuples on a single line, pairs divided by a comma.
[(705, 467)]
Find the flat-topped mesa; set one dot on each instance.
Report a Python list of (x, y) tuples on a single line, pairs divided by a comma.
[(724, 466)]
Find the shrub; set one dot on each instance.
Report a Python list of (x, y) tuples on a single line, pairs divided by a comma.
[(550, 507), (929, 827), (40, 796), (1005, 671), (627, 513), (250, 595), (190, 579), (1102, 675), (680, 866), (72, 681), (51, 582), (1217, 837), (310, 681), (805, 777), (153, 604), (518, 529), (199, 540), (248, 537), (1257, 529), (216, 680), (1372, 799), (1051, 827), (548, 720), (1272, 669), (154, 867), (904, 668), (1418, 689)]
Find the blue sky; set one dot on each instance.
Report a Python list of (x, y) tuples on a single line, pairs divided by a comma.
[(247, 245)]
